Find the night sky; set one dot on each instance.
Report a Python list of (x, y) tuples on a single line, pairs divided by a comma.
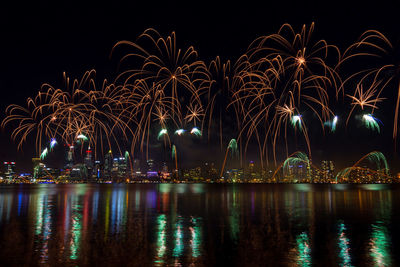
[(42, 40)]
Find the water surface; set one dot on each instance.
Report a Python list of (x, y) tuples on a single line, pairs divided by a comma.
[(199, 225)]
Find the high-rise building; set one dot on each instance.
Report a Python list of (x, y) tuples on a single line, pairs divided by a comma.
[(252, 173), (150, 165), (328, 169), (136, 167), (121, 166), (9, 169), (165, 167), (70, 157), (108, 164), (235, 175), (89, 162), (195, 173), (97, 173), (36, 168)]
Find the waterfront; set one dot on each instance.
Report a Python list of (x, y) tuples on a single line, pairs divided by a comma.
[(199, 224)]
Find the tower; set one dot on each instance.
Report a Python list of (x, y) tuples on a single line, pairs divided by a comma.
[(9, 169), (108, 164), (88, 162), (70, 157)]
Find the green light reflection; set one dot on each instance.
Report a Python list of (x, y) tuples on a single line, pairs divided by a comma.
[(76, 229), (195, 241), (161, 239), (304, 250), (39, 214), (344, 248), (178, 236), (379, 245)]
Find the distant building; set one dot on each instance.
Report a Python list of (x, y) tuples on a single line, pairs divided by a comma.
[(209, 172), (328, 169), (108, 164), (235, 175), (36, 167), (70, 157), (150, 165), (79, 172), (9, 169), (119, 168), (195, 174), (136, 167), (97, 172), (88, 161)]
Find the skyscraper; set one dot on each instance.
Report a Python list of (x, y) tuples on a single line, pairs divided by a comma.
[(9, 169), (36, 167), (89, 162), (328, 169), (108, 164), (70, 157)]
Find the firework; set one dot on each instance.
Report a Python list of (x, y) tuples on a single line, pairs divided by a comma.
[(233, 147), (371, 122), (296, 121), (162, 132), (378, 159), (66, 113), (383, 71), (53, 142), (257, 99), (44, 154), (298, 157), (173, 69), (286, 73), (180, 132), (332, 123), (195, 131), (375, 157), (82, 137)]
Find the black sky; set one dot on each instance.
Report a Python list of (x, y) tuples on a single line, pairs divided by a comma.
[(40, 40)]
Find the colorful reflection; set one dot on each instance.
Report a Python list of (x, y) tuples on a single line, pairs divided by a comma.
[(178, 239), (195, 237), (161, 239), (76, 227), (234, 215), (184, 226), (304, 250), (43, 226), (380, 245), (344, 246)]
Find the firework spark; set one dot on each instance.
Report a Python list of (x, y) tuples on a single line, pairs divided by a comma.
[(44, 154), (180, 132), (332, 123), (162, 132), (53, 142), (371, 122), (195, 131)]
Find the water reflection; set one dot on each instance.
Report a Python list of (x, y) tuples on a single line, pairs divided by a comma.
[(200, 225), (76, 227), (161, 239), (344, 246), (304, 250), (195, 241), (379, 245)]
